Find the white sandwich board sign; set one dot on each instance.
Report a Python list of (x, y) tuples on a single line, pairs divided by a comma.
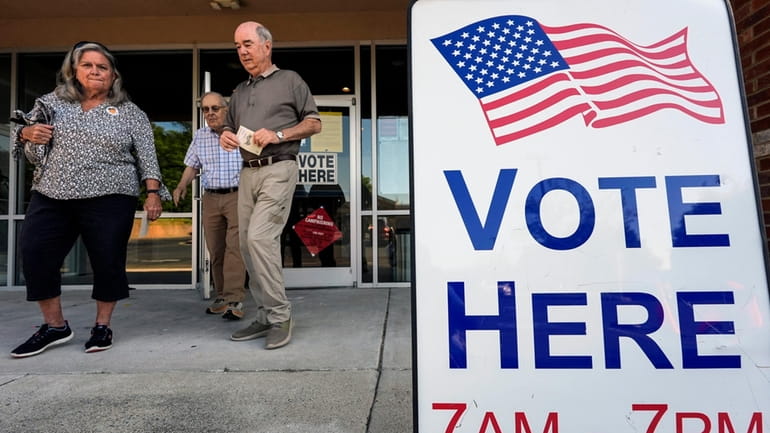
[(588, 247)]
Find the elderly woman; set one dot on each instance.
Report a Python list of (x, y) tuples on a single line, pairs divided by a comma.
[(91, 148)]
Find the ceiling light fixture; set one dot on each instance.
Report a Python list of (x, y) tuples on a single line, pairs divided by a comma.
[(217, 5)]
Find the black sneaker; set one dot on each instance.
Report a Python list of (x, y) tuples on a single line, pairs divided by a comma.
[(101, 339), (41, 340)]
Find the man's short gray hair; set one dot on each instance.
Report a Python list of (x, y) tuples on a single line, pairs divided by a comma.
[(217, 94), (264, 33)]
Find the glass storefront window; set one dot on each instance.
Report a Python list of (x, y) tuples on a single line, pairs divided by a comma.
[(392, 162), (4, 252), (157, 253), (167, 104), (367, 250), (36, 76), (392, 238), (5, 143), (5, 128), (160, 251), (389, 226), (171, 142), (394, 243), (164, 97), (327, 71), (392, 129), (18, 277), (366, 129)]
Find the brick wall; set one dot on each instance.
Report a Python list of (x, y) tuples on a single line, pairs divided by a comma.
[(752, 22)]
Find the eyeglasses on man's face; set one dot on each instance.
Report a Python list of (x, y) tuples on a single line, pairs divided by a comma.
[(213, 108)]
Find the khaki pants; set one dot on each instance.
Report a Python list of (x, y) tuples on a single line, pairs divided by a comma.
[(220, 227), (264, 202)]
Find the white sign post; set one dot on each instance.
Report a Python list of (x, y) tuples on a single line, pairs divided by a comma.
[(589, 255)]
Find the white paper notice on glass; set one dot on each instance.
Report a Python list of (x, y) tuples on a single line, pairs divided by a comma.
[(244, 138)]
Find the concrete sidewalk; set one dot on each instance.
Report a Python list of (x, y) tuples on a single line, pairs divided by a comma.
[(173, 368)]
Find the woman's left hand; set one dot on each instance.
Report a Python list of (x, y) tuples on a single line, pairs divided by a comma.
[(153, 206)]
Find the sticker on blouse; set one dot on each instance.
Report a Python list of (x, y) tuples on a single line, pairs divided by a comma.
[(112, 110)]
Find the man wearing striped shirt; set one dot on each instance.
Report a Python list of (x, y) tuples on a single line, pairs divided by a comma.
[(220, 172)]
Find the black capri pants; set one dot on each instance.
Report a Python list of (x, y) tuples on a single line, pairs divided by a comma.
[(50, 229)]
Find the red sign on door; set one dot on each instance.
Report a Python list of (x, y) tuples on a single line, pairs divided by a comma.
[(317, 231)]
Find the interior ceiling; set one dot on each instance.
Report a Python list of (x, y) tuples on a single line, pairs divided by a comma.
[(14, 9)]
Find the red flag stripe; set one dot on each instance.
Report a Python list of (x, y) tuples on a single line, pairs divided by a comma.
[(527, 91), (637, 78), (601, 33), (531, 110), (631, 115), (614, 85), (567, 114), (647, 93), (669, 56), (617, 67)]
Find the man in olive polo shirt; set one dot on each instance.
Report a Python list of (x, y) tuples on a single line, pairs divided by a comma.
[(276, 104)]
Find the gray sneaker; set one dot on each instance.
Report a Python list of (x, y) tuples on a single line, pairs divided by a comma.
[(255, 330), (279, 335)]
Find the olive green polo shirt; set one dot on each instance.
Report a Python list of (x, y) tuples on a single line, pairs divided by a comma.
[(277, 99)]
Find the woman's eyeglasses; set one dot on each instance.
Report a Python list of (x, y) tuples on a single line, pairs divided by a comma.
[(213, 109)]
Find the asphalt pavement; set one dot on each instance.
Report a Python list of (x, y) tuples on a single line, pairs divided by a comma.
[(172, 368)]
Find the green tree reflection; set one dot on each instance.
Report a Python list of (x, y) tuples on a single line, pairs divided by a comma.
[(171, 142)]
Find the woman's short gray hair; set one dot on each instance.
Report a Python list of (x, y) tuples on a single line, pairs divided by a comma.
[(67, 85)]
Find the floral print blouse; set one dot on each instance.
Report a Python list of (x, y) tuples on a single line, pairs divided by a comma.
[(105, 150)]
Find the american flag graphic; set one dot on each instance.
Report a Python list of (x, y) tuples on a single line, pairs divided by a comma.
[(529, 77)]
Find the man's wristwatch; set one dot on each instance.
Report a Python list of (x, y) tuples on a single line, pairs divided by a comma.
[(279, 134), (153, 191)]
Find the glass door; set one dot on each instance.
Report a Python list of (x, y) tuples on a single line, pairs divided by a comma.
[(317, 245)]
